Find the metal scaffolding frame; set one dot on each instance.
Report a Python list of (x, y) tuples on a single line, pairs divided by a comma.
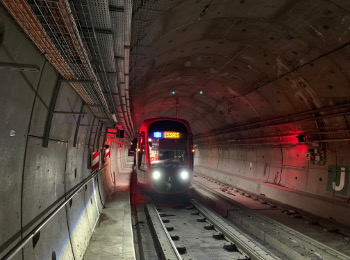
[(79, 40)]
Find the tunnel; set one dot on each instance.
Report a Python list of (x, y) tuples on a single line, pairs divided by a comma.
[(264, 85)]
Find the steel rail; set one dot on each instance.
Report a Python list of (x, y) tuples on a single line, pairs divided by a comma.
[(311, 244), (14, 250), (248, 246), (164, 240)]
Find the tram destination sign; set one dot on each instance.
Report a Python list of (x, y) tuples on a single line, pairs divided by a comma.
[(167, 135)]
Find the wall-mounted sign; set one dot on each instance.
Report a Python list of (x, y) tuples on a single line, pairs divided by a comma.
[(338, 179)]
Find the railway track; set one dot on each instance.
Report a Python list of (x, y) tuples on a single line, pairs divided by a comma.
[(195, 232), (178, 228), (291, 243)]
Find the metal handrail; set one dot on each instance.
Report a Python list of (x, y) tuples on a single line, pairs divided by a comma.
[(32, 233)]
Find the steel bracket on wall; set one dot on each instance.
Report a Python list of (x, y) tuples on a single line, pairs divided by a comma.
[(92, 126), (52, 109), (51, 112), (95, 136), (19, 67), (97, 140), (78, 124), (70, 112)]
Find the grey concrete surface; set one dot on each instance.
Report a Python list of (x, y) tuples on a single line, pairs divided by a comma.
[(300, 184), (296, 219), (34, 179), (255, 61), (113, 237)]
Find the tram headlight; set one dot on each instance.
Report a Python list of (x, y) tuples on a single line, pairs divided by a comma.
[(184, 175), (156, 175)]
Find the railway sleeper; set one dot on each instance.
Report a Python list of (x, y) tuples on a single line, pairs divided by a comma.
[(209, 227), (203, 219), (231, 247), (181, 249), (219, 236), (175, 237)]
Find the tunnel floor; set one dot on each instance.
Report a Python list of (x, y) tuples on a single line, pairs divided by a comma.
[(112, 237)]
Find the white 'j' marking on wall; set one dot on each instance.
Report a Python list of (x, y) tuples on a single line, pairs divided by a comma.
[(342, 180)]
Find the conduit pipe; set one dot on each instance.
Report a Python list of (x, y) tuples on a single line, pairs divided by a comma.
[(289, 118), (128, 17), (121, 26)]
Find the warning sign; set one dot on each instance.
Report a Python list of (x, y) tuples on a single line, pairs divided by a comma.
[(338, 179)]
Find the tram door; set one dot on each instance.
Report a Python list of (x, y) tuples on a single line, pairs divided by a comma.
[(141, 165)]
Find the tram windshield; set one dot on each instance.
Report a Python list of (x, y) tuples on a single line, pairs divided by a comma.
[(171, 146)]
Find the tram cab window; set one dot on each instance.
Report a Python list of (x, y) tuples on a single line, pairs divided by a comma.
[(174, 149)]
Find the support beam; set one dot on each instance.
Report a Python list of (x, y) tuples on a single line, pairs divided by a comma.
[(97, 30), (77, 81), (19, 67), (51, 111), (105, 136), (114, 8), (69, 112), (98, 137), (96, 106), (78, 124), (92, 126)]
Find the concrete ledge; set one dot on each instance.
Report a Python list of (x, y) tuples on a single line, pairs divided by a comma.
[(113, 237), (317, 205)]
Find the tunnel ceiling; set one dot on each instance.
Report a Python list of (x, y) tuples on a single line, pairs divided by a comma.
[(258, 64), (253, 70)]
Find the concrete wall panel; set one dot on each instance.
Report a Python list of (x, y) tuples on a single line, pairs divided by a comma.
[(74, 166), (48, 173), (91, 208), (63, 125), (271, 170), (44, 178), (79, 223), (16, 101), (54, 239), (42, 103)]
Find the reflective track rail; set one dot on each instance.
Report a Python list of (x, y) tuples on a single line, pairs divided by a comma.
[(195, 232), (292, 243)]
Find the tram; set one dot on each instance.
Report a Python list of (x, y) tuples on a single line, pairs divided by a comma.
[(164, 156)]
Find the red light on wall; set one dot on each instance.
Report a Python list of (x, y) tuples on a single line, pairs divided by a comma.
[(301, 138), (112, 130), (308, 157)]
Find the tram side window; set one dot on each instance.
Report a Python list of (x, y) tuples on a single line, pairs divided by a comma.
[(143, 157)]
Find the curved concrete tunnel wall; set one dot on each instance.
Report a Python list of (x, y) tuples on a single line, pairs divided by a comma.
[(260, 169), (35, 179)]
